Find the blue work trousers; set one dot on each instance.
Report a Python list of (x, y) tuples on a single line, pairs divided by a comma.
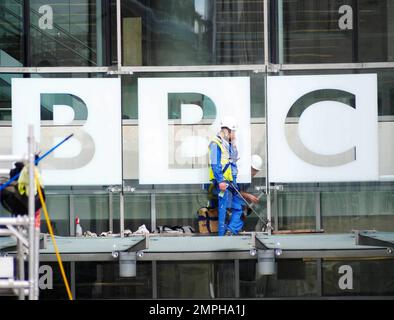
[(230, 199)]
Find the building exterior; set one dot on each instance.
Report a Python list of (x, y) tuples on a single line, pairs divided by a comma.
[(268, 62)]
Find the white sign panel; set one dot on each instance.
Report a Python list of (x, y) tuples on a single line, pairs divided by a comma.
[(93, 155), (323, 128), (159, 150)]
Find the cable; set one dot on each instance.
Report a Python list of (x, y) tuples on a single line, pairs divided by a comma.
[(59, 260)]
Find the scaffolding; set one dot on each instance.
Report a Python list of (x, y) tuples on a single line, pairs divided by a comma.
[(26, 231)]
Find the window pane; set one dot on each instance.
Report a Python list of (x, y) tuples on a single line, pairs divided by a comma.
[(348, 205), (195, 280), (11, 34), (295, 210), (59, 212), (321, 31), (371, 207), (137, 209), (192, 32), (57, 289), (294, 278), (93, 212), (5, 95), (358, 278), (100, 280), (130, 93), (66, 33)]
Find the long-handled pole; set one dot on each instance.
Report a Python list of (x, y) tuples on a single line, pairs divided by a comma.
[(6, 184), (265, 222)]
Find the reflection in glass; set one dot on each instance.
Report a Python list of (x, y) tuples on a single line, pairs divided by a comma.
[(192, 32), (59, 211), (93, 212), (137, 209), (202, 280), (66, 33), (368, 209), (11, 33), (101, 281), (359, 278), (5, 95), (321, 31), (294, 278), (58, 290)]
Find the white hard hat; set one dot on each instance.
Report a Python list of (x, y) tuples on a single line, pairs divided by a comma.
[(229, 122), (257, 162)]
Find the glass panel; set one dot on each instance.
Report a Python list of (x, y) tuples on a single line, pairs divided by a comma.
[(11, 33), (93, 212), (348, 205), (200, 280), (358, 278), (100, 280), (179, 209), (58, 207), (294, 278), (178, 204), (370, 207), (295, 210), (66, 33), (192, 32), (137, 209), (257, 89), (5, 95), (55, 290), (320, 31)]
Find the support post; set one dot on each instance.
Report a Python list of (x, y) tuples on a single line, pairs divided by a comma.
[(121, 205), (21, 268), (32, 249)]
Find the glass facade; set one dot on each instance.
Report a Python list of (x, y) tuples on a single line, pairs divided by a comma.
[(196, 32), (334, 31), (172, 39)]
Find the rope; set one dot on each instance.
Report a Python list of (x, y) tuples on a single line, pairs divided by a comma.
[(59, 260)]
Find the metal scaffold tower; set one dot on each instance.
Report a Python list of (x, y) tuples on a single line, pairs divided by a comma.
[(26, 231)]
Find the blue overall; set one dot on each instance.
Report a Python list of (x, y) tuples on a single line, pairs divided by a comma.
[(228, 199), (235, 224)]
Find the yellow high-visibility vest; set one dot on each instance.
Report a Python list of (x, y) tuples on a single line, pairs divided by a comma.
[(224, 160)]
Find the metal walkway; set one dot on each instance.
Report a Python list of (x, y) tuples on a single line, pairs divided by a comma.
[(358, 244)]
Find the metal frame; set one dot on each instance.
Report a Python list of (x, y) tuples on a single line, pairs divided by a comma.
[(229, 255), (365, 239), (255, 68), (21, 287)]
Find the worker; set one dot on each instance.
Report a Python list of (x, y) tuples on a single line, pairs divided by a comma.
[(222, 174), (256, 166), (14, 197), (248, 199)]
